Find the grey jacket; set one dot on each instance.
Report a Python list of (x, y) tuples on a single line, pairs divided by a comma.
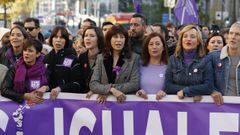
[(221, 65), (127, 81)]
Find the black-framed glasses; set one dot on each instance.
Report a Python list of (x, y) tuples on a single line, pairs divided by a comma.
[(29, 28)]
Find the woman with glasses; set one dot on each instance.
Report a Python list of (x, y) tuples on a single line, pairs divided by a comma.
[(188, 73), (28, 80), (63, 67), (116, 71)]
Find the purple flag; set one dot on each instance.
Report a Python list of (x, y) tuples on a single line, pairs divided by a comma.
[(186, 11), (137, 5)]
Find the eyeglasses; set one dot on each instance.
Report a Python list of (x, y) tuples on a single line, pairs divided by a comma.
[(29, 28), (134, 24)]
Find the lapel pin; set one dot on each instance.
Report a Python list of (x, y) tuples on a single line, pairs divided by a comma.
[(195, 70), (219, 64)]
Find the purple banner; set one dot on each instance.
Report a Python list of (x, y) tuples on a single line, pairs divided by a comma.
[(186, 12), (72, 114)]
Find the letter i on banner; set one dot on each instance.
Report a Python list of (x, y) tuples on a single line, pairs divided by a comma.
[(58, 121), (182, 123), (106, 122), (128, 123)]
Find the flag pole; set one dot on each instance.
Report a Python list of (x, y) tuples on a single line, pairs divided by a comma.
[(170, 14), (184, 10)]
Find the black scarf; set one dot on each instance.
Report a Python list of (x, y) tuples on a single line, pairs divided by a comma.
[(108, 64)]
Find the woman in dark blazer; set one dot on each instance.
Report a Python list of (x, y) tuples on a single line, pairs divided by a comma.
[(93, 41), (116, 71)]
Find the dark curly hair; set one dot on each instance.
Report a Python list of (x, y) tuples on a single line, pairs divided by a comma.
[(116, 29)]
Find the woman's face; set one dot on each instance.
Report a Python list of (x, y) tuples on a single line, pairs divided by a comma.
[(155, 47), (79, 49), (30, 55), (189, 40), (16, 38), (215, 43), (118, 42), (90, 39), (58, 42)]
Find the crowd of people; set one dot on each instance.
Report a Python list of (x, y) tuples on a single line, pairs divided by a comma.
[(188, 61)]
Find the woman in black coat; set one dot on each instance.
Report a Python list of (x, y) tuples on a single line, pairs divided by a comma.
[(64, 72)]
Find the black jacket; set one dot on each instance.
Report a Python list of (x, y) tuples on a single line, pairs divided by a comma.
[(63, 70), (8, 62), (7, 87), (86, 68)]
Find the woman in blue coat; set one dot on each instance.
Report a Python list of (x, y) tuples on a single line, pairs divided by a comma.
[(188, 72)]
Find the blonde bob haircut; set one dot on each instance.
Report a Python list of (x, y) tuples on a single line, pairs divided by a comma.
[(200, 47)]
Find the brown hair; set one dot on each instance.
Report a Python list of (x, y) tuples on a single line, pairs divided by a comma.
[(200, 46), (64, 33), (33, 42), (145, 52), (25, 34), (211, 36), (100, 38)]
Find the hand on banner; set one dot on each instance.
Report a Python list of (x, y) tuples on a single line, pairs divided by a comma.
[(141, 93), (180, 94), (54, 93), (101, 99), (217, 97), (160, 94), (197, 98), (43, 89), (33, 97), (118, 94), (89, 94)]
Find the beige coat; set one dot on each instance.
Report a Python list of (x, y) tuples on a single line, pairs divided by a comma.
[(127, 81)]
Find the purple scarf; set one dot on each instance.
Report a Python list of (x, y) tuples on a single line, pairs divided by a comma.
[(9, 55), (188, 56), (24, 75)]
